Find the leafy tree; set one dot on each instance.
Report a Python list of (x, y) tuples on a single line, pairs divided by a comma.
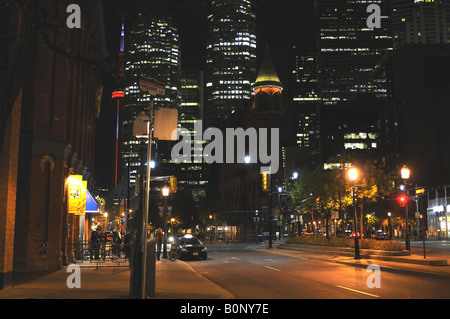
[(375, 184), (324, 191)]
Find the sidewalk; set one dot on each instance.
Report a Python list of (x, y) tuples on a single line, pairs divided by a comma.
[(174, 280)]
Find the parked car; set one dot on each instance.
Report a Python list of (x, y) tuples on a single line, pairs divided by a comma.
[(381, 236), (188, 247)]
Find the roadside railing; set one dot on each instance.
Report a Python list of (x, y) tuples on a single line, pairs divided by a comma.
[(101, 254)]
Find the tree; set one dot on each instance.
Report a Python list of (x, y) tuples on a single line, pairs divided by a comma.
[(322, 191), (375, 184), (329, 190)]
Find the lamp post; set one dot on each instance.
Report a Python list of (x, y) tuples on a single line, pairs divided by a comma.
[(280, 215), (405, 173), (165, 191), (353, 176), (389, 225)]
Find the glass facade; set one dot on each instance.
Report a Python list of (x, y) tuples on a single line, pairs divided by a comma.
[(153, 51), (438, 213), (231, 57), (348, 50), (420, 22)]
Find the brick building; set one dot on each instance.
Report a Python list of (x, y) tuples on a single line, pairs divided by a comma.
[(243, 203), (51, 92)]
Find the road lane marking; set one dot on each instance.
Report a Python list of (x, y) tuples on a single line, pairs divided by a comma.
[(236, 258), (272, 268), (358, 291)]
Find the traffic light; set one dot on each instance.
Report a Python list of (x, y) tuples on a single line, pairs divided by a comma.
[(265, 182), (402, 200), (173, 184)]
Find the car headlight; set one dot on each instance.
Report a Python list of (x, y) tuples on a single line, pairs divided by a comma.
[(204, 249)]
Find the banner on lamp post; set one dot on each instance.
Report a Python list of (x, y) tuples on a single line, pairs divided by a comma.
[(77, 195)]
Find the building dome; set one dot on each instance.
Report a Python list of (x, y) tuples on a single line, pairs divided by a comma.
[(267, 76), (268, 88)]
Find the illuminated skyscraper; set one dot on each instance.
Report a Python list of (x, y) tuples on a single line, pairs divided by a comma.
[(192, 176), (153, 51), (348, 50), (231, 58), (302, 148), (420, 22)]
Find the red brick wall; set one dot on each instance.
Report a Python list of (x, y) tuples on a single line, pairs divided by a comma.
[(8, 186)]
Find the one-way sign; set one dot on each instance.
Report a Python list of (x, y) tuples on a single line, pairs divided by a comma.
[(420, 191)]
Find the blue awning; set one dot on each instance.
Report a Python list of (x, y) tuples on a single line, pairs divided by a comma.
[(92, 206)]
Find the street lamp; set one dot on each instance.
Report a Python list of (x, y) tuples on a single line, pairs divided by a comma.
[(280, 214), (165, 191), (353, 176), (389, 225), (405, 173)]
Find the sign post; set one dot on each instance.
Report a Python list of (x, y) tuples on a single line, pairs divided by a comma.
[(153, 88)]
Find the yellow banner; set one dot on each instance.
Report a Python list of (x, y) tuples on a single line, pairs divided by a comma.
[(77, 195)]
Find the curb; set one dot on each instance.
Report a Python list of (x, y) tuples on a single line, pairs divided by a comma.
[(359, 264), (368, 254)]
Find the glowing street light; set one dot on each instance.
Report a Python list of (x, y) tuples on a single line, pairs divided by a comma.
[(165, 192), (353, 177), (405, 174), (353, 174)]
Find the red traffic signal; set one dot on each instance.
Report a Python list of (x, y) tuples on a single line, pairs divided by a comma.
[(402, 200)]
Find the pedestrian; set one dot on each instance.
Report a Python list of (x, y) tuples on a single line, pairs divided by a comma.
[(116, 242), (95, 244), (127, 244), (159, 242)]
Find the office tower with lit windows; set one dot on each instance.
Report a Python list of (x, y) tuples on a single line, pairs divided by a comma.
[(231, 58), (304, 92), (348, 51), (192, 175), (153, 51), (303, 111), (420, 22)]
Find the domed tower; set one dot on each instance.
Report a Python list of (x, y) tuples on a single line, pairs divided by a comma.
[(266, 109)]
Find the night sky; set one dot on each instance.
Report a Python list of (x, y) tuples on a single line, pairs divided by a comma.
[(277, 23)]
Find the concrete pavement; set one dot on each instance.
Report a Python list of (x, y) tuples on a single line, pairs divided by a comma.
[(174, 280)]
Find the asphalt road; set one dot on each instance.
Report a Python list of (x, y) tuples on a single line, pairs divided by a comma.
[(257, 274)]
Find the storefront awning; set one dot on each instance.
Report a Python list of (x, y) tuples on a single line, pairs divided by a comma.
[(92, 206)]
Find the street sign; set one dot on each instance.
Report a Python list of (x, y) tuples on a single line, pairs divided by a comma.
[(166, 124), (152, 86), (420, 191)]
